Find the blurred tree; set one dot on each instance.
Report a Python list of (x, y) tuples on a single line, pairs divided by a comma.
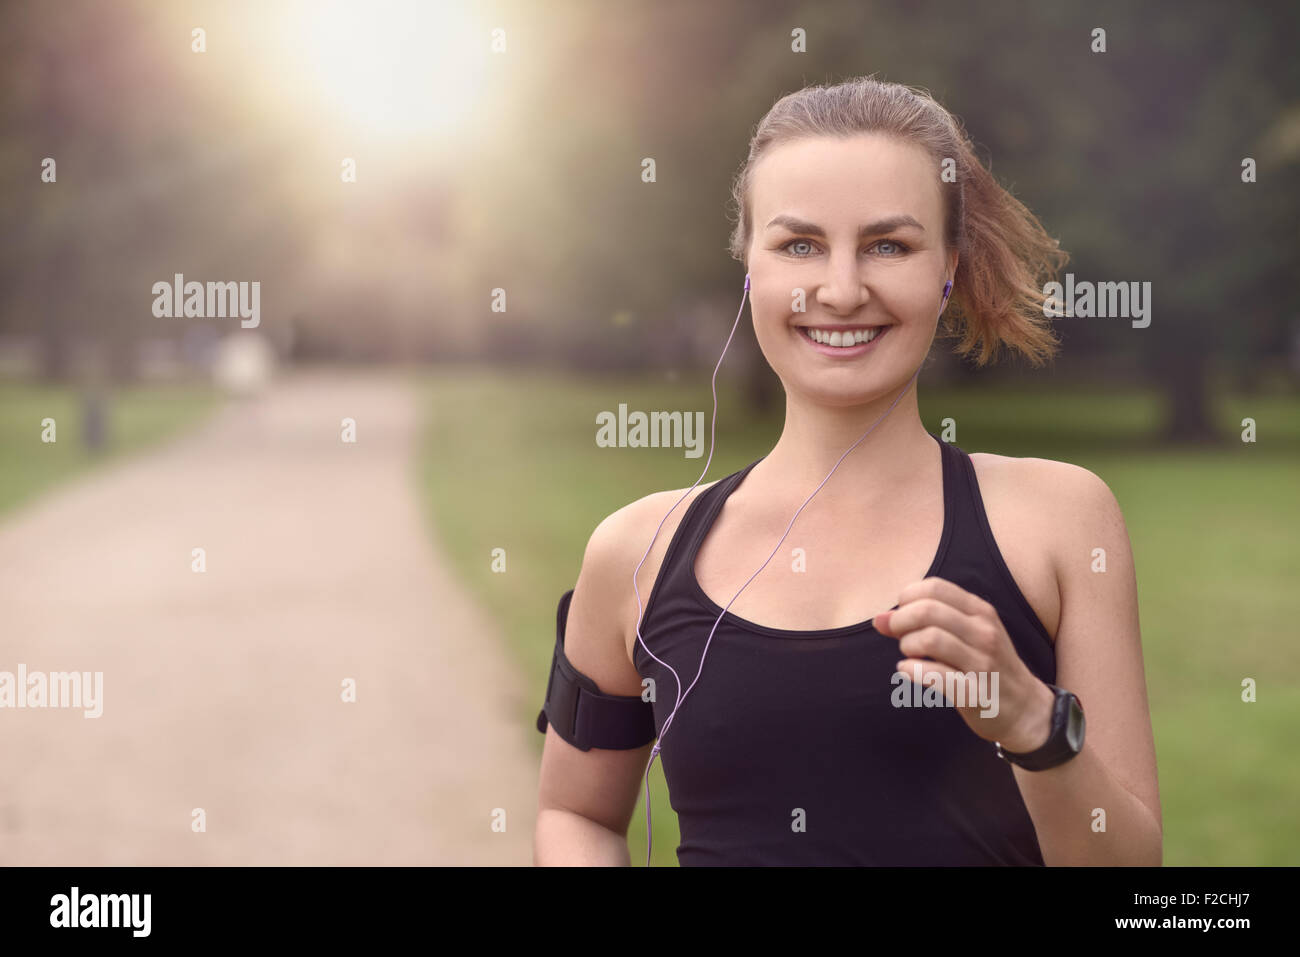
[(1131, 157)]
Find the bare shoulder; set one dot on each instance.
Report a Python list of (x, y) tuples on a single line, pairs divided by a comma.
[(621, 539), (1046, 517), (1065, 491), (604, 602)]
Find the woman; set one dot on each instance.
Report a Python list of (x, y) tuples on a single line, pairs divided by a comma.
[(861, 206)]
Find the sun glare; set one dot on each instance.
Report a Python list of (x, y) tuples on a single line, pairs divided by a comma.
[(391, 68)]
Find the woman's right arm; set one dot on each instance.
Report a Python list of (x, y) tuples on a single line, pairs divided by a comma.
[(586, 798)]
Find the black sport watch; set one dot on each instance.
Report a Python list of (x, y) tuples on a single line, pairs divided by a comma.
[(1065, 741)]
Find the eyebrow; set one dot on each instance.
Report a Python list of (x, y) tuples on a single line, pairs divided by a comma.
[(888, 224)]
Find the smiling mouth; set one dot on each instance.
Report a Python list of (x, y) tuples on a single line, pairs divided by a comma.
[(842, 338)]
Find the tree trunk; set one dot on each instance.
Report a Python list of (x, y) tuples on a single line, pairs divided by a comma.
[(1185, 387)]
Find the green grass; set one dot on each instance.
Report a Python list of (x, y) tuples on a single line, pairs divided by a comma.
[(510, 461), (137, 417)]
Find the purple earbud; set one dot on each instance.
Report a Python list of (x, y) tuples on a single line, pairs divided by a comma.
[(746, 280), (947, 288)]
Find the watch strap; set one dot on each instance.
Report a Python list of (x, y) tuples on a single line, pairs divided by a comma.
[(1057, 749)]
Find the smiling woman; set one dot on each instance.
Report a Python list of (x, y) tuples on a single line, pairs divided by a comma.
[(862, 211), (999, 251)]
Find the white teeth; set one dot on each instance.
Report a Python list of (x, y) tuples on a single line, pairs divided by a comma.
[(842, 338)]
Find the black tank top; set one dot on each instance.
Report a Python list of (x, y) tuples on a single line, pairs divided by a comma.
[(788, 750)]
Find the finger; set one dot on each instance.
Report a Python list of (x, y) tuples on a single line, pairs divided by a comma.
[(931, 674), (945, 591), (943, 647), (927, 674), (921, 613)]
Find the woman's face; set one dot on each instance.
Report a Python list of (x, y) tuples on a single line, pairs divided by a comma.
[(856, 226)]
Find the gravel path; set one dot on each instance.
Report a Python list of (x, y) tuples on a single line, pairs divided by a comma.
[(222, 690)]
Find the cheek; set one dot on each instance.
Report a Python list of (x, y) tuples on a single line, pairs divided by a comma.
[(773, 305), (772, 315)]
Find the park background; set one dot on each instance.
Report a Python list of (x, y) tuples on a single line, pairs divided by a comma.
[(520, 169)]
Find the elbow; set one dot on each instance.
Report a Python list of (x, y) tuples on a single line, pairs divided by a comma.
[(564, 838)]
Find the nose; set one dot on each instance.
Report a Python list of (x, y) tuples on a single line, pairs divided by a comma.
[(842, 289)]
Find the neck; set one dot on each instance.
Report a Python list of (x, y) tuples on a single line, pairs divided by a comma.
[(815, 437)]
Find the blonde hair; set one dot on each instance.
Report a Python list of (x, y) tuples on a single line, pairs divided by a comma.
[(1004, 253)]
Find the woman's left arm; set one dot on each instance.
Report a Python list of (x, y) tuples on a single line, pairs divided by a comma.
[(1103, 805), (1099, 658)]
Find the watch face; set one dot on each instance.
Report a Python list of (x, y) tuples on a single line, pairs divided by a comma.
[(1074, 727)]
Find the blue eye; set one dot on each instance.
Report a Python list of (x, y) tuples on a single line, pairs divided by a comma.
[(903, 248), (892, 242)]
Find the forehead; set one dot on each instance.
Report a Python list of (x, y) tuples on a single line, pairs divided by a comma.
[(829, 179)]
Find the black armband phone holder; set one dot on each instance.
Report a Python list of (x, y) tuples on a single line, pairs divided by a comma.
[(581, 713)]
